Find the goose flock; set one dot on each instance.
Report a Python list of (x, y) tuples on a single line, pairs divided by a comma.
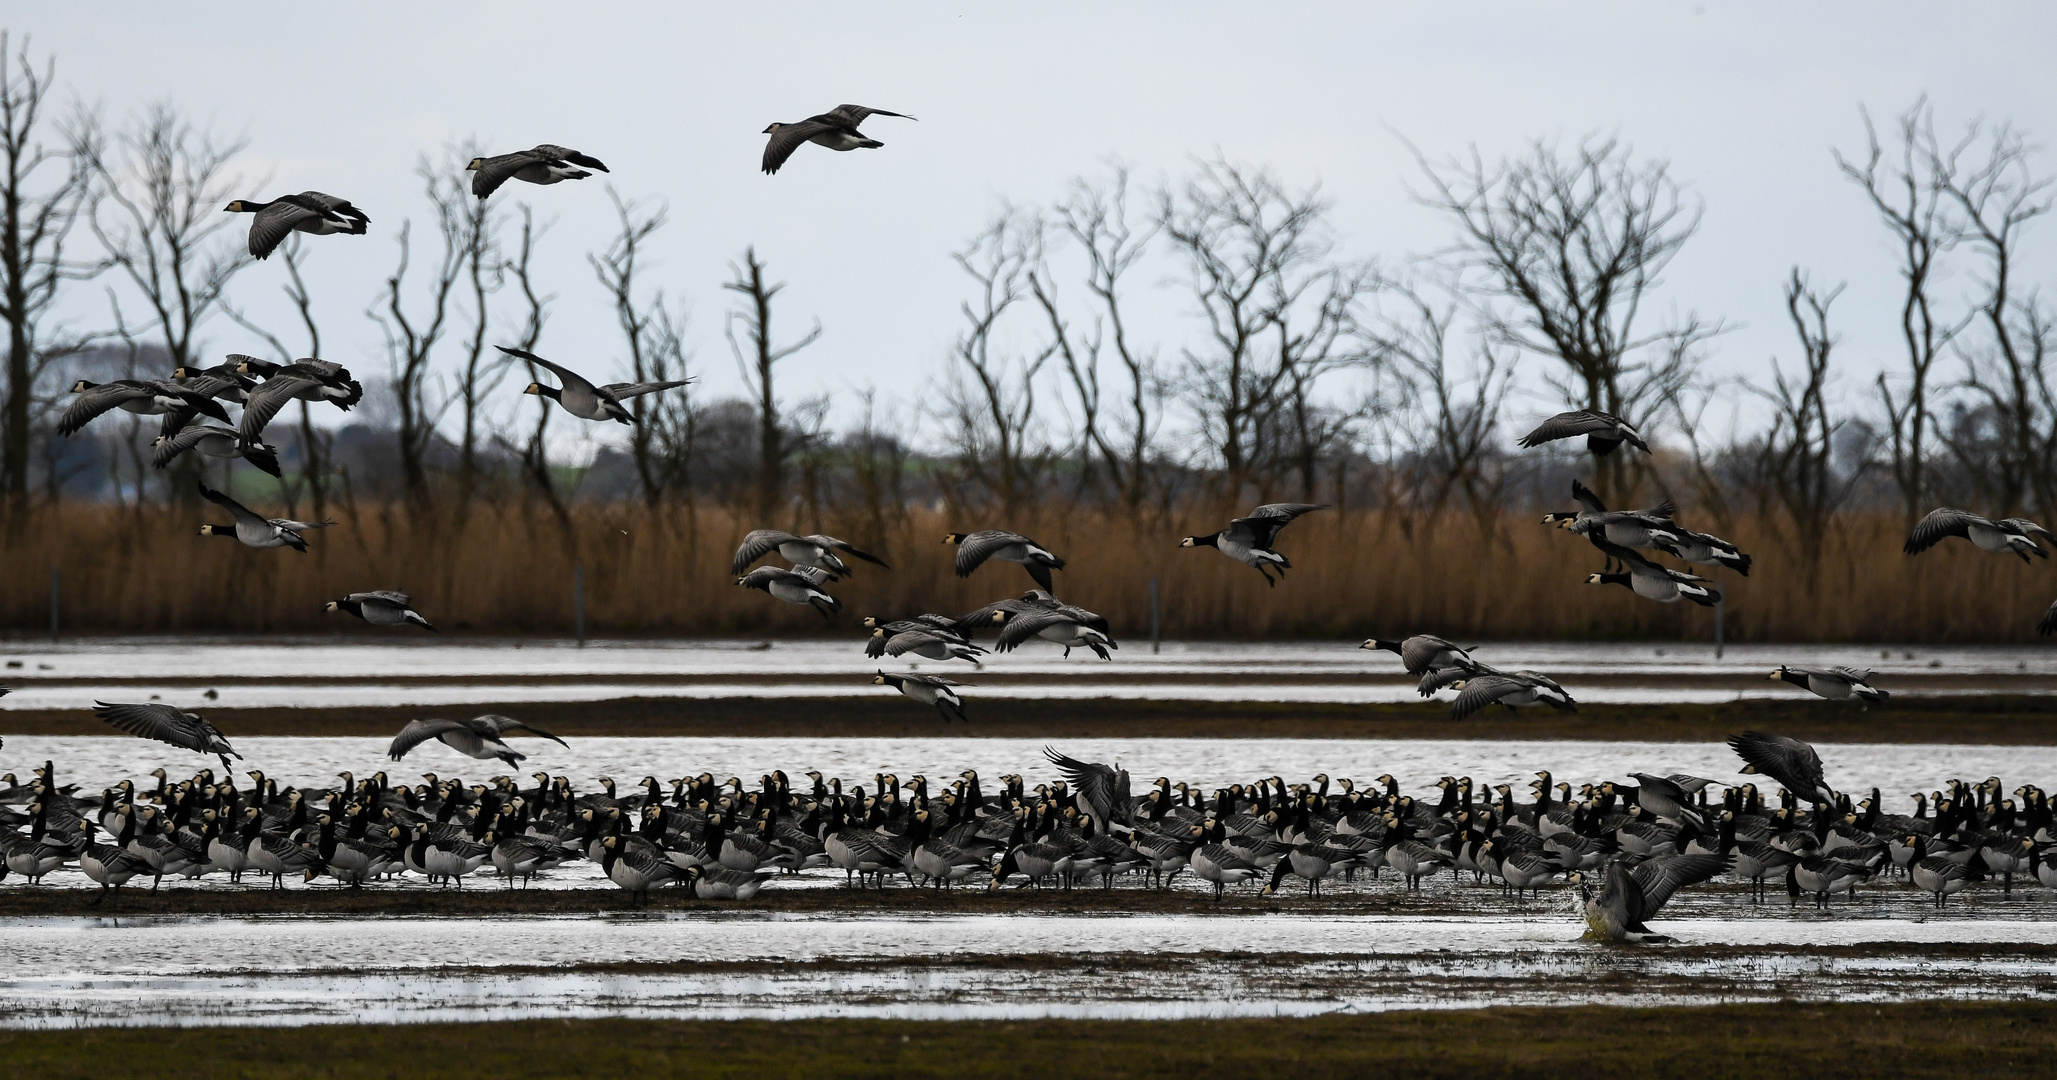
[(1625, 844), (1628, 847)]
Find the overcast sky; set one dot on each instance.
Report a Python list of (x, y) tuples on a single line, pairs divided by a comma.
[(1746, 100)]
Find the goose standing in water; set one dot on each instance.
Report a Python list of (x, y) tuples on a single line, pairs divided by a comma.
[(835, 129), (973, 549), (382, 607), (2005, 536), (166, 724), (309, 212), (1835, 684), (254, 531), (1603, 431), (306, 379), (584, 400), (1248, 540), (479, 737), (214, 442), (1629, 896), (152, 397), (545, 164), (927, 689), (801, 585), (816, 551)]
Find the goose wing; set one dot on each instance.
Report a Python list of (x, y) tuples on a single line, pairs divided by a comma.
[(1567, 425), (980, 546), (566, 153), (264, 402), (1104, 788), (1436, 680), (1854, 675), (850, 116), (1584, 496), (2029, 528), (1788, 761), (500, 725), (1026, 625), (1665, 875), (788, 138), (299, 526), (95, 400), (238, 510), (500, 168), (757, 543), (154, 720), (622, 391), (271, 225), (906, 641), (1417, 651), (847, 548), (1264, 523), (174, 444), (1482, 691), (1940, 525), (390, 596), (420, 731), (569, 377)]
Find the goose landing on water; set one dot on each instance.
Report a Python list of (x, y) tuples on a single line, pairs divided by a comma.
[(1248, 540), (1631, 895)]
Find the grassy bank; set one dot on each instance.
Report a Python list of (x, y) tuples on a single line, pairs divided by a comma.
[(1995, 719), (509, 568), (1814, 1042)]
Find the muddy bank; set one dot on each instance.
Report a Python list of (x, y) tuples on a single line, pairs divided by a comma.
[(1997, 719)]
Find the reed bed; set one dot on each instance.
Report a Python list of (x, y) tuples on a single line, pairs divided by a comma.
[(508, 569)]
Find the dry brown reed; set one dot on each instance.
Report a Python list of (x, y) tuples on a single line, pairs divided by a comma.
[(507, 569)]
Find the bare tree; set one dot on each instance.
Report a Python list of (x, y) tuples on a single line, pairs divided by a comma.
[(536, 308), (411, 340), (1794, 463), (1279, 311), (1566, 248), (757, 363), (43, 190), (992, 396), (1451, 437), (653, 330), (1911, 197)]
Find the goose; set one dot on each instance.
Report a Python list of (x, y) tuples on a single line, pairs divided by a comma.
[(308, 212), (1835, 684), (1653, 582), (214, 442), (2004, 536), (1513, 689), (1248, 540), (1648, 528), (1943, 876), (221, 381), (1703, 549), (1525, 870), (1423, 653), (1413, 859), (1213, 862), (144, 397), (584, 400), (927, 689), (938, 860), (801, 585), (1068, 626), (1629, 896), (544, 164), (254, 531), (1819, 875), (835, 129), (480, 737), (109, 865), (1667, 799), (306, 379), (933, 644), (2047, 625), (973, 549), (169, 725), (816, 551), (1788, 761), (1603, 431), (381, 607), (719, 882)]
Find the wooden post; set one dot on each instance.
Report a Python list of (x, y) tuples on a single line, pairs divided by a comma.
[(578, 602), (1718, 612), (56, 594), (1156, 641)]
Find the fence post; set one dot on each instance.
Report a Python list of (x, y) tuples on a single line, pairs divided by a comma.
[(56, 593), (1719, 611), (1156, 641), (578, 601)]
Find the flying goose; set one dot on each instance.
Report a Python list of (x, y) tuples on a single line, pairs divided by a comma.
[(1651, 528), (1788, 761), (1422, 653), (2048, 623), (214, 442), (478, 737), (817, 551), (1835, 684), (382, 607), (584, 400), (921, 641), (835, 129), (2006, 535), (927, 689), (1630, 895), (1603, 431), (166, 724), (1071, 627), (222, 381), (146, 397), (1651, 581), (1248, 540), (257, 532), (545, 164), (1667, 799), (801, 585), (973, 549), (1512, 689), (308, 212), (306, 379)]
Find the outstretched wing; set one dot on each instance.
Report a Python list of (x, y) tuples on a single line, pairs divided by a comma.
[(1788, 761), (390, 596), (264, 402), (495, 171), (1100, 785), (847, 548), (1265, 522), (622, 391), (153, 720), (758, 543), (1584, 496), (96, 400), (980, 546), (569, 377), (420, 731), (1026, 625), (787, 139), (500, 725), (566, 153), (1436, 680), (271, 225), (171, 446), (2029, 528), (1567, 425), (1660, 877), (1482, 691), (852, 115), (1940, 525), (242, 513)]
